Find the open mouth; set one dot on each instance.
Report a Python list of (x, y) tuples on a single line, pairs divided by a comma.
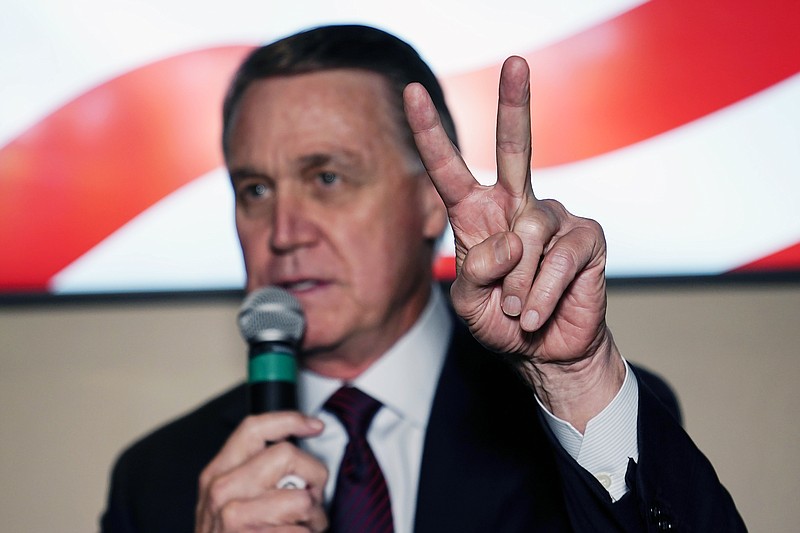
[(301, 285)]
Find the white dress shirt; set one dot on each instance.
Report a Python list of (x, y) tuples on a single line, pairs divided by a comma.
[(609, 440), (404, 380)]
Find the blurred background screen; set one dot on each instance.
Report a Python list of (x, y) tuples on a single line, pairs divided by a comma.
[(674, 123)]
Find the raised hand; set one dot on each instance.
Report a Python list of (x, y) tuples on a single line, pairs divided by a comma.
[(530, 275)]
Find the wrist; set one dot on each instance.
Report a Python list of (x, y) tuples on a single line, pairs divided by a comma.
[(577, 391)]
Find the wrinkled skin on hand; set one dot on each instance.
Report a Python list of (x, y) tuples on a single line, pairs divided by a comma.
[(238, 490), (530, 275)]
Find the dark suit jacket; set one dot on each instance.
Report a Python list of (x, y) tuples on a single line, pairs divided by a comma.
[(490, 464)]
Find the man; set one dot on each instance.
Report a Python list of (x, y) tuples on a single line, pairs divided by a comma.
[(340, 150)]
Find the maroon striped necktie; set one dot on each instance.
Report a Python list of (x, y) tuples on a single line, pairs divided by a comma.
[(361, 500)]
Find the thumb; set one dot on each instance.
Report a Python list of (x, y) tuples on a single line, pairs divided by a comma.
[(484, 265)]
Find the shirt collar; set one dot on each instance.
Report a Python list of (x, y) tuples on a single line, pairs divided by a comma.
[(404, 378)]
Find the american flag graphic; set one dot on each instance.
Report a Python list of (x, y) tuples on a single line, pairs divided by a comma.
[(675, 123)]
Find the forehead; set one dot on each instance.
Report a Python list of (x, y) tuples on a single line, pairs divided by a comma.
[(342, 104)]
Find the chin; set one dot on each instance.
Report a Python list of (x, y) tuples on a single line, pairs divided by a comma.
[(319, 338)]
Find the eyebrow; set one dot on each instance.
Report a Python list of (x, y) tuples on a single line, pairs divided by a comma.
[(315, 160), (345, 157), (246, 172), (306, 162)]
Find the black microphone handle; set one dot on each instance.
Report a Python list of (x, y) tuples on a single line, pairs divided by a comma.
[(272, 377)]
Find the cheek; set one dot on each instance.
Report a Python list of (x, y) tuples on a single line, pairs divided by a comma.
[(387, 256), (252, 240)]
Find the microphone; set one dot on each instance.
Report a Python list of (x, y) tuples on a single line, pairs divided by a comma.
[(272, 322)]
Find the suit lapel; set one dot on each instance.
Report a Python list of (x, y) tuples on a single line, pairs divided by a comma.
[(486, 462)]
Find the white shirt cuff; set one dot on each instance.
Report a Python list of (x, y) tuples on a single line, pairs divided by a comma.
[(609, 440)]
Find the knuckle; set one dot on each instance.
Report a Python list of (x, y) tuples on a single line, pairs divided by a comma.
[(249, 426), (473, 267), (231, 515), (554, 208), (320, 473), (537, 228), (217, 494), (592, 227), (284, 454), (249, 422), (205, 477), (283, 450), (561, 260), (551, 204), (304, 504), (516, 281), (595, 235), (511, 146), (532, 224)]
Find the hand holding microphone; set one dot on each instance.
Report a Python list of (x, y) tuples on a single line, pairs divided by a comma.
[(239, 488)]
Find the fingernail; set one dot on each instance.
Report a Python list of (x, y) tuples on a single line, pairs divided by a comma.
[(501, 253), (530, 320), (315, 423), (512, 306)]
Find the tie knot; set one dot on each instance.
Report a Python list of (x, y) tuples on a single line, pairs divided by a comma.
[(354, 409)]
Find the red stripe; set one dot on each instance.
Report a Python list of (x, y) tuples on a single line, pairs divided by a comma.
[(784, 260), (84, 171), (445, 268), (379, 514), (93, 165), (645, 72)]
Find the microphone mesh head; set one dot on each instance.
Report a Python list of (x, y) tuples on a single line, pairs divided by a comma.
[(271, 314)]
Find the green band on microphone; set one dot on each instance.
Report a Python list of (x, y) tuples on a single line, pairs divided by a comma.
[(272, 366)]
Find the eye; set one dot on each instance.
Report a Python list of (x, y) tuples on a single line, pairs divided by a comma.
[(253, 191), (257, 190), (328, 178)]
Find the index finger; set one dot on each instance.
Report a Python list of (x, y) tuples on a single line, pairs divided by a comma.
[(443, 162), (252, 434)]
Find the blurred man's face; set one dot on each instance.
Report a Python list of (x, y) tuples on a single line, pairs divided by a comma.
[(332, 206)]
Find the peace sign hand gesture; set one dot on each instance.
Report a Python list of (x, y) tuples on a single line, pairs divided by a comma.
[(530, 276)]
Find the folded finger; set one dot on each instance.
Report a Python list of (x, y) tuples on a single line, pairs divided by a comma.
[(492, 259), (250, 437), (262, 472), (278, 510), (484, 265), (536, 229), (561, 264)]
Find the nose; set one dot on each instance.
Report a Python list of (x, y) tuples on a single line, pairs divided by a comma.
[(292, 223)]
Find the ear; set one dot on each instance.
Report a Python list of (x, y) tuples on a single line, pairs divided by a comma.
[(434, 211)]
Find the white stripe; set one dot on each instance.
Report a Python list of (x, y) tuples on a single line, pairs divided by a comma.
[(701, 199), (186, 241)]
